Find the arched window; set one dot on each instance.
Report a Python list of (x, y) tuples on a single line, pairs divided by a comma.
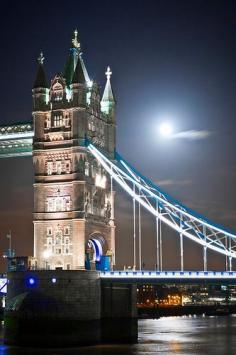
[(57, 91)]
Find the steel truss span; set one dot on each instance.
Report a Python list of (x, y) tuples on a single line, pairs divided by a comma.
[(167, 210)]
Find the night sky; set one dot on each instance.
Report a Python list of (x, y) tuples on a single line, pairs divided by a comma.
[(171, 60)]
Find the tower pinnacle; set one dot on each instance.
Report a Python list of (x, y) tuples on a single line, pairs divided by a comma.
[(40, 81), (108, 73), (41, 58), (107, 102), (75, 41)]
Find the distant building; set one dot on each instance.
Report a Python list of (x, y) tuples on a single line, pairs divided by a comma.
[(73, 202)]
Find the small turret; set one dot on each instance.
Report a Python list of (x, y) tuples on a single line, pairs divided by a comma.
[(40, 89), (108, 101), (72, 59), (78, 86), (108, 109), (77, 78)]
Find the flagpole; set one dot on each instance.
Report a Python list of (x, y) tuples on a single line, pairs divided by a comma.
[(9, 237), (10, 241)]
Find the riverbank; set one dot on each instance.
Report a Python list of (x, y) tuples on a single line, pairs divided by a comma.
[(208, 310)]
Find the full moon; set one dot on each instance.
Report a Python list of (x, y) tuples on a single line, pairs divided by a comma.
[(166, 129)]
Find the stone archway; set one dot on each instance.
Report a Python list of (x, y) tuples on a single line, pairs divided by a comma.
[(59, 265), (96, 248)]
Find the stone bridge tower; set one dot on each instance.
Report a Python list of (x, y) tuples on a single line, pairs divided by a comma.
[(73, 202)]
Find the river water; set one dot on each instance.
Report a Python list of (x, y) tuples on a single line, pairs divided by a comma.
[(166, 336)]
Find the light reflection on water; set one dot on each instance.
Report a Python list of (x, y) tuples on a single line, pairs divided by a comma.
[(165, 336)]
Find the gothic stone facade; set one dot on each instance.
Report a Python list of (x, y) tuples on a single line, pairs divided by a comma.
[(73, 202)]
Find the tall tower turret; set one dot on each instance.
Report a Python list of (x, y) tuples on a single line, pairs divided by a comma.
[(40, 88), (108, 109), (78, 85), (108, 101), (73, 202)]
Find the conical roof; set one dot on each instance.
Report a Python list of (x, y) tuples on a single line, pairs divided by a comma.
[(40, 80), (78, 76), (108, 93), (75, 70), (70, 67)]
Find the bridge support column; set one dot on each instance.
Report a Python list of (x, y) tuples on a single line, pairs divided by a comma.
[(205, 258), (230, 263), (134, 231), (119, 312), (160, 238), (181, 252)]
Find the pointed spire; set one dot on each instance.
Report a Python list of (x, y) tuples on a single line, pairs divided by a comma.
[(108, 73), (108, 96), (78, 77), (75, 42), (40, 81), (75, 56), (88, 81), (41, 58), (70, 67)]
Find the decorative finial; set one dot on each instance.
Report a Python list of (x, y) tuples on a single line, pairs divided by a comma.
[(108, 73), (75, 42), (41, 58)]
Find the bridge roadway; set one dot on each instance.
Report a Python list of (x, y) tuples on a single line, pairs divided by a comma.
[(170, 277), (158, 277)]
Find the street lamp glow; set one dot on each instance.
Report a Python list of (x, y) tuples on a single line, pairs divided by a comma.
[(166, 129), (47, 254)]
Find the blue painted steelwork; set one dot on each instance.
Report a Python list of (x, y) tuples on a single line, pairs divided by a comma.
[(180, 218), (175, 202), (3, 285)]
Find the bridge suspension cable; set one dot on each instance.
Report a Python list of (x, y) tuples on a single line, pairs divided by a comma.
[(168, 211)]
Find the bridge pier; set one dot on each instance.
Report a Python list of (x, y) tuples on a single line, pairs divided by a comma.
[(55, 308), (119, 312)]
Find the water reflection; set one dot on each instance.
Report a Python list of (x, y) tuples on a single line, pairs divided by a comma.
[(165, 336)]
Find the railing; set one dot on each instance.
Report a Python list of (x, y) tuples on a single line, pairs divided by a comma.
[(168, 274)]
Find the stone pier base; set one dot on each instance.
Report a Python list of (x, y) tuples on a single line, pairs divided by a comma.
[(58, 308)]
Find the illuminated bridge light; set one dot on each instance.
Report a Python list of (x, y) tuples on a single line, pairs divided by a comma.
[(16, 135), (31, 281), (165, 275)]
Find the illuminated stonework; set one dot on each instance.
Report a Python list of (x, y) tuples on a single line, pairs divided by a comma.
[(73, 202)]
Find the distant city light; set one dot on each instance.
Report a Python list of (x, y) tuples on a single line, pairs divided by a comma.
[(166, 129), (54, 280)]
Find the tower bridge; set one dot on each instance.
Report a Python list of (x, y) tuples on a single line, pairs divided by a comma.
[(72, 140)]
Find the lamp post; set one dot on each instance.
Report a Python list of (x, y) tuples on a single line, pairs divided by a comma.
[(46, 254)]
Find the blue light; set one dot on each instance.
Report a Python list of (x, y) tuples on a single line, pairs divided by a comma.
[(31, 281), (54, 280)]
